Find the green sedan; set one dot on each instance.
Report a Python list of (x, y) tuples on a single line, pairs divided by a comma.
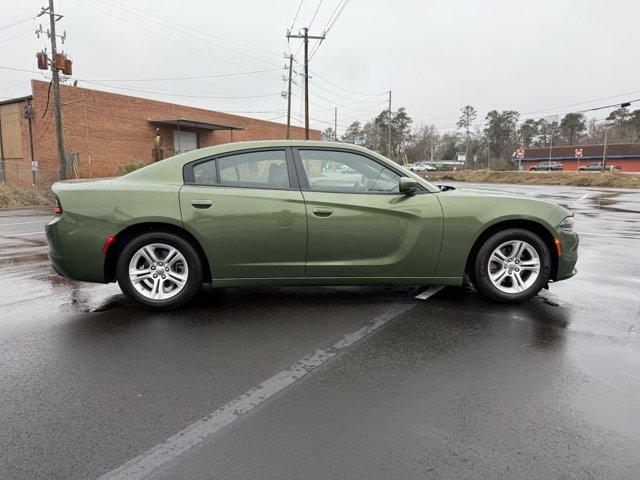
[(300, 213)]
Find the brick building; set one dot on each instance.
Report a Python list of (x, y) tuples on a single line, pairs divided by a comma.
[(104, 131), (624, 155)]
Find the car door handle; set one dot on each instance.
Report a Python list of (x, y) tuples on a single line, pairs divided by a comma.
[(322, 212), (201, 203)]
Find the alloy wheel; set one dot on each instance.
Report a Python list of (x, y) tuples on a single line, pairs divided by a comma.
[(514, 266), (158, 271)]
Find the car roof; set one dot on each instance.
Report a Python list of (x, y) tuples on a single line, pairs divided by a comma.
[(231, 147)]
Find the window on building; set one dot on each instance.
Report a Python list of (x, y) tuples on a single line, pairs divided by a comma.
[(184, 141), (267, 169), (337, 171)]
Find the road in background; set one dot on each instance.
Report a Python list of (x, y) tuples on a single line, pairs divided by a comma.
[(456, 386)]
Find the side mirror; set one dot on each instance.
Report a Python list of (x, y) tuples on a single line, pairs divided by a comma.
[(407, 185)]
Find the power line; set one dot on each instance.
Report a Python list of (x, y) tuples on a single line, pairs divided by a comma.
[(172, 94), (190, 28), (166, 23), (345, 89), (195, 77), (332, 14), (367, 100), (204, 52), (315, 13), (15, 36), (18, 22), (296, 17), (330, 24)]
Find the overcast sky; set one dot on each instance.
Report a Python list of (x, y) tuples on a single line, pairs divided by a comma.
[(435, 56)]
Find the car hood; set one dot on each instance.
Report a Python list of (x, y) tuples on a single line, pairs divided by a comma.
[(480, 192)]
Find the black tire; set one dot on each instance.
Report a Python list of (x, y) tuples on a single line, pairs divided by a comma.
[(480, 265), (193, 262)]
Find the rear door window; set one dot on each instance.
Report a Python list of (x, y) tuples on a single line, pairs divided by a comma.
[(266, 169)]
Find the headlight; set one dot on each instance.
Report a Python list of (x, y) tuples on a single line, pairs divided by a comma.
[(567, 224)]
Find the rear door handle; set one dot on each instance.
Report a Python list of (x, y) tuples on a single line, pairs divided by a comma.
[(201, 203), (322, 212)]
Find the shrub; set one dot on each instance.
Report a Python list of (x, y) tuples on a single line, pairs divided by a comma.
[(130, 167)]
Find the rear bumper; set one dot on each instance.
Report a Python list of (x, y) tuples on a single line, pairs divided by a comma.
[(75, 246)]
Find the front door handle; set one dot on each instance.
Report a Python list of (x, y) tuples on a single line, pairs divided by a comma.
[(322, 212), (201, 203)]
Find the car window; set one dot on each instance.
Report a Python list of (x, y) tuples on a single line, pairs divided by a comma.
[(336, 171), (205, 173), (267, 169)]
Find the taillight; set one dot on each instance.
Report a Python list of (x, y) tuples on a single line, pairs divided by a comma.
[(57, 209), (110, 240)]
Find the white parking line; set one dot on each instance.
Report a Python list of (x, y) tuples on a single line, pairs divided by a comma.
[(609, 235), (582, 197), (22, 223), (147, 462), (429, 292), (22, 234)]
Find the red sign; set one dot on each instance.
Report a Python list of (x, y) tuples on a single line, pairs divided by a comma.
[(578, 152), (520, 153)]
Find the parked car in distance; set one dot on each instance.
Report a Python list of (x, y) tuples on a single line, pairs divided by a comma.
[(547, 166), (597, 167), (287, 213), (591, 167), (421, 167)]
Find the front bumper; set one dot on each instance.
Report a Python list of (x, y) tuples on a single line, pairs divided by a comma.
[(569, 255), (75, 246)]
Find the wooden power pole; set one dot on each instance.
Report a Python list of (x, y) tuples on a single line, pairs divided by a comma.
[(306, 38), (289, 98), (55, 73), (389, 130)]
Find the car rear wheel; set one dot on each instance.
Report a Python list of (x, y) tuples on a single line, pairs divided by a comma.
[(511, 266), (159, 271)]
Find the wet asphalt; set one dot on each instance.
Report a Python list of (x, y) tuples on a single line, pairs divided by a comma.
[(454, 387)]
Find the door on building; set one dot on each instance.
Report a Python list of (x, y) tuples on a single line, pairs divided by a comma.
[(184, 141), (359, 224), (248, 213)]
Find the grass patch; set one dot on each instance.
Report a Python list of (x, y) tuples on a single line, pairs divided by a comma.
[(578, 179), (11, 197)]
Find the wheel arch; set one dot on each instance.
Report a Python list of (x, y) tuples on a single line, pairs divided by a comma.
[(132, 231), (535, 227)]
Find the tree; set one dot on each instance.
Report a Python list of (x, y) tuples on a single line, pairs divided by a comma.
[(400, 130), (619, 117), (354, 130), (448, 146), (501, 132), (528, 132), (376, 132), (572, 126), (468, 115), (423, 142), (545, 131), (328, 135)]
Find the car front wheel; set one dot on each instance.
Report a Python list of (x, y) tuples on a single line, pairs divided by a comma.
[(159, 271), (512, 266)]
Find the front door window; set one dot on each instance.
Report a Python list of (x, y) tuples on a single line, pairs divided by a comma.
[(346, 172)]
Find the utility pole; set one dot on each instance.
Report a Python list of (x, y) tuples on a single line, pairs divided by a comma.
[(289, 98), (335, 124), (550, 150), (306, 38), (604, 149), (57, 111), (389, 132)]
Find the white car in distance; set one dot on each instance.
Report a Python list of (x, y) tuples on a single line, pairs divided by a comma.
[(421, 167)]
